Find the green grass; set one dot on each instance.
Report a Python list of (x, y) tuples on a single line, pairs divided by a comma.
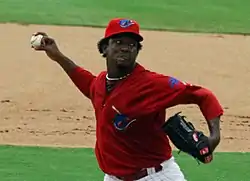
[(47, 164), (75, 164), (227, 16)]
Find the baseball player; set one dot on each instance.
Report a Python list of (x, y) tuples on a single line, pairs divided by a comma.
[(130, 105)]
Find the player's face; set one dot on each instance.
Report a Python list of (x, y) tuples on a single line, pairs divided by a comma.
[(123, 51)]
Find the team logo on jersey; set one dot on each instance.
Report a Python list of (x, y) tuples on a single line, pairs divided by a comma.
[(173, 82), (124, 23), (121, 121)]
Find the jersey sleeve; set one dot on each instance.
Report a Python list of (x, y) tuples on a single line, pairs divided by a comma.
[(83, 80), (170, 92)]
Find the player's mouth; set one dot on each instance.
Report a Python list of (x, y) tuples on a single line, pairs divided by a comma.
[(123, 57)]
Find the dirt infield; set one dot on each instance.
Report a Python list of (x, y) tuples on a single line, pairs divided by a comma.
[(39, 105)]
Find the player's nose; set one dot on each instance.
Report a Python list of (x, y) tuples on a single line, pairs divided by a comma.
[(125, 49)]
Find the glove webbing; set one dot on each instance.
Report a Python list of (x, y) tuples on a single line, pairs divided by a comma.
[(178, 130)]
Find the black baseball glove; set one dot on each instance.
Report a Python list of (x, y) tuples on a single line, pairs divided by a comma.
[(187, 139)]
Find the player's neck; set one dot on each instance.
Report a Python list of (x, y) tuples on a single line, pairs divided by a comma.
[(116, 72)]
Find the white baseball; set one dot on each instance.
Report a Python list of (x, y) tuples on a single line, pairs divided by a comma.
[(36, 40)]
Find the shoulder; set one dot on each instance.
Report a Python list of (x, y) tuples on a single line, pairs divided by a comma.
[(99, 79), (101, 75), (162, 81)]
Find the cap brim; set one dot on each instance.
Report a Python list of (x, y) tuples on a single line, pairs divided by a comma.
[(103, 41)]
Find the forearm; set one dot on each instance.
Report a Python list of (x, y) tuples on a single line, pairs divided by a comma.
[(214, 128), (67, 64)]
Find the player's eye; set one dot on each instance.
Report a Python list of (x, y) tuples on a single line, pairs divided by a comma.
[(118, 42)]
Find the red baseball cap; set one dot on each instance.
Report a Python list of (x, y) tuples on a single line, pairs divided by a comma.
[(119, 26)]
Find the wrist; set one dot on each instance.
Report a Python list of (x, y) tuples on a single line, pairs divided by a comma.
[(214, 142), (215, 138), (214, 128)]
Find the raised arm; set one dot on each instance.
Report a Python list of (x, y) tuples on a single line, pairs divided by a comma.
[(82, 78)]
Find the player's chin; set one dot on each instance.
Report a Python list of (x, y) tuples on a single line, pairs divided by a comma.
[(123, 63)]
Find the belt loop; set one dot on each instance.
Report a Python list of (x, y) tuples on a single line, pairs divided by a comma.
[(150, 171)]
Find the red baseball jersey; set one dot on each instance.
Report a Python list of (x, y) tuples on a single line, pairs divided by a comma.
[(129, 119)]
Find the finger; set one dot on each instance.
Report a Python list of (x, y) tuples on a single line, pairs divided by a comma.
[(39, 33), (46, 41), (38, 48), (49, 41), (43, 44)]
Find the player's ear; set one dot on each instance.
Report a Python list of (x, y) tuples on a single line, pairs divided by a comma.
[(104, 50)]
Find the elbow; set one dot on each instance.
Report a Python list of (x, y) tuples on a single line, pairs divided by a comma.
[(209, 105)]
